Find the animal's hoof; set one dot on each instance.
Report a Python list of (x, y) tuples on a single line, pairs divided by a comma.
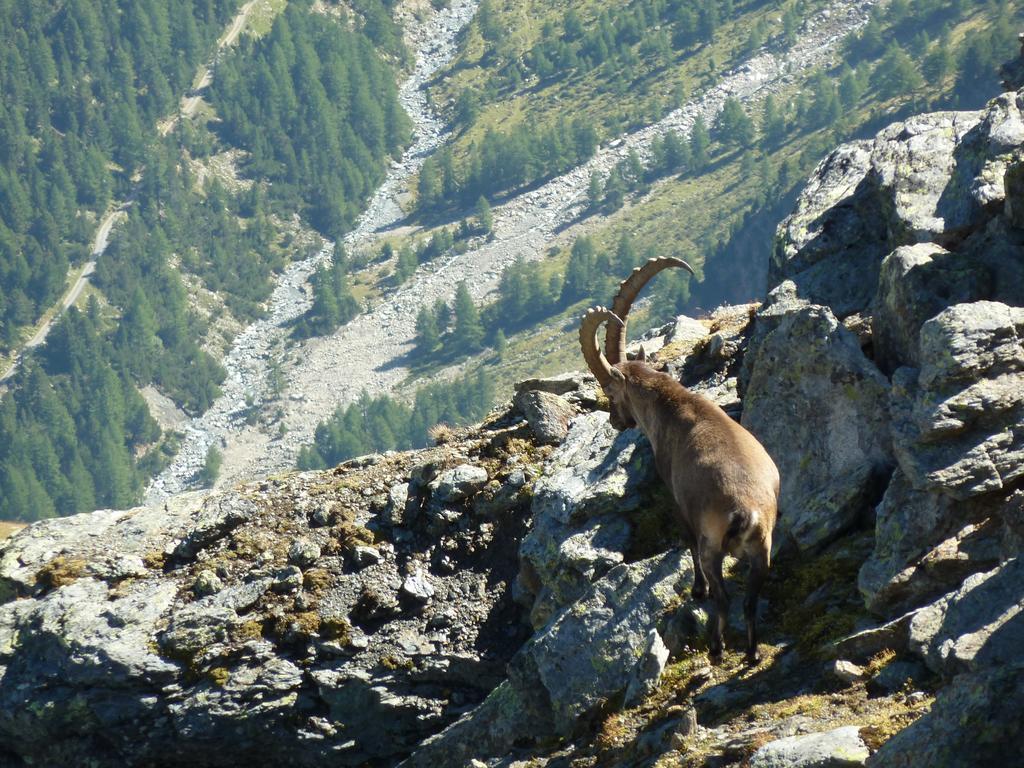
[(752, 659), (699, 593), (715, 657)]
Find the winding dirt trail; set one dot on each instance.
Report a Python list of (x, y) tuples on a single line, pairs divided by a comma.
[(367, 354), (99, 245), (189, 104)]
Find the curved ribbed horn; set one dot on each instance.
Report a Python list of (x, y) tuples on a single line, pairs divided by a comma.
[(596, 361), (615, 338)]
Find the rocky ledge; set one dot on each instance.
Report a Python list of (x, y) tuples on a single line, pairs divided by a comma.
[(518, 594)]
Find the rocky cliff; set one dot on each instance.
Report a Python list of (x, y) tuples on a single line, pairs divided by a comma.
[(517, 594)]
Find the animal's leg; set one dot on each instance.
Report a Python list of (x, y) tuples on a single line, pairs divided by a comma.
[(755, 580), (700, 584), (711, 560)]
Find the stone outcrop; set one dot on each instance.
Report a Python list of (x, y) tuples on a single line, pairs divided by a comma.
[(840, 748), (974, 721), (979, 625), (819, 408), (154, 635), (935, 178), (958, 419), (926, 541)]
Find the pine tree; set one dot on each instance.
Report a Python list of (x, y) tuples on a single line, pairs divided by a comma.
[(484, 218), (500, 344), (469, 331), (896, 73), (595, 190), (625, 255), (733, 126), (211, 467), (427, 332), (615, 189), (406, 264)]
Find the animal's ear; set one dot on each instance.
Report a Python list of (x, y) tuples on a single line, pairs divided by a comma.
[(642, 354), (618, 375)]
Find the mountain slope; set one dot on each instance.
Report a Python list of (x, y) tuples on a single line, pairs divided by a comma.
[(517, 593)]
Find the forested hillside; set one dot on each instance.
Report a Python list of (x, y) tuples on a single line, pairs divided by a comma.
[(315, 105), (532, 77), (80, 130), (83, 84)]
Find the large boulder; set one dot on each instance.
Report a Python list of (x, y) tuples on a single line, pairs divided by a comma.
[(547, 414), (958, 420), (838, 748), (581, 511), (256, 617), (916, 283), (587, 656), (934, 178), (975, 721), (819, 408), (926, 543), (979, 625), (589, 652)]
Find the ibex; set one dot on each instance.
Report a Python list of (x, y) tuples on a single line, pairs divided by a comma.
[(724, 483)]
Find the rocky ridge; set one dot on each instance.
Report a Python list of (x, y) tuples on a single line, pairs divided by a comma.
[(517, 596)]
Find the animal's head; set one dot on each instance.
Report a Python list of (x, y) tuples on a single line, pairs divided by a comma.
[(608, 367)]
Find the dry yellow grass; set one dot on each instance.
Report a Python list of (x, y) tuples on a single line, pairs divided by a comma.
[(9, 528)]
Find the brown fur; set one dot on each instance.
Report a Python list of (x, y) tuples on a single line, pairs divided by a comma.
[(724, 483)]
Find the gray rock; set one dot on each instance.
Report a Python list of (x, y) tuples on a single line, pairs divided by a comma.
[(207, 583), (974, 721), (999, 249), (556, 385), (865, 643), (686, 331), (459, 483), (418, 587), (548, 415), (303, 553), (831, 216), (916, 283), (869, 197), (926, 543), (94, 538), (978, 626), (580, 505), (400, 509), (218, 516), (195, 628), (321, 517), (596, 470), (846, 671), (958, 421), (589, 651), (288, 579), (839, 748), (819, 408), (1013, 183), (362, 701), (647, 672), (567, 559), (583, 657), (687, 727), (363, 556)]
